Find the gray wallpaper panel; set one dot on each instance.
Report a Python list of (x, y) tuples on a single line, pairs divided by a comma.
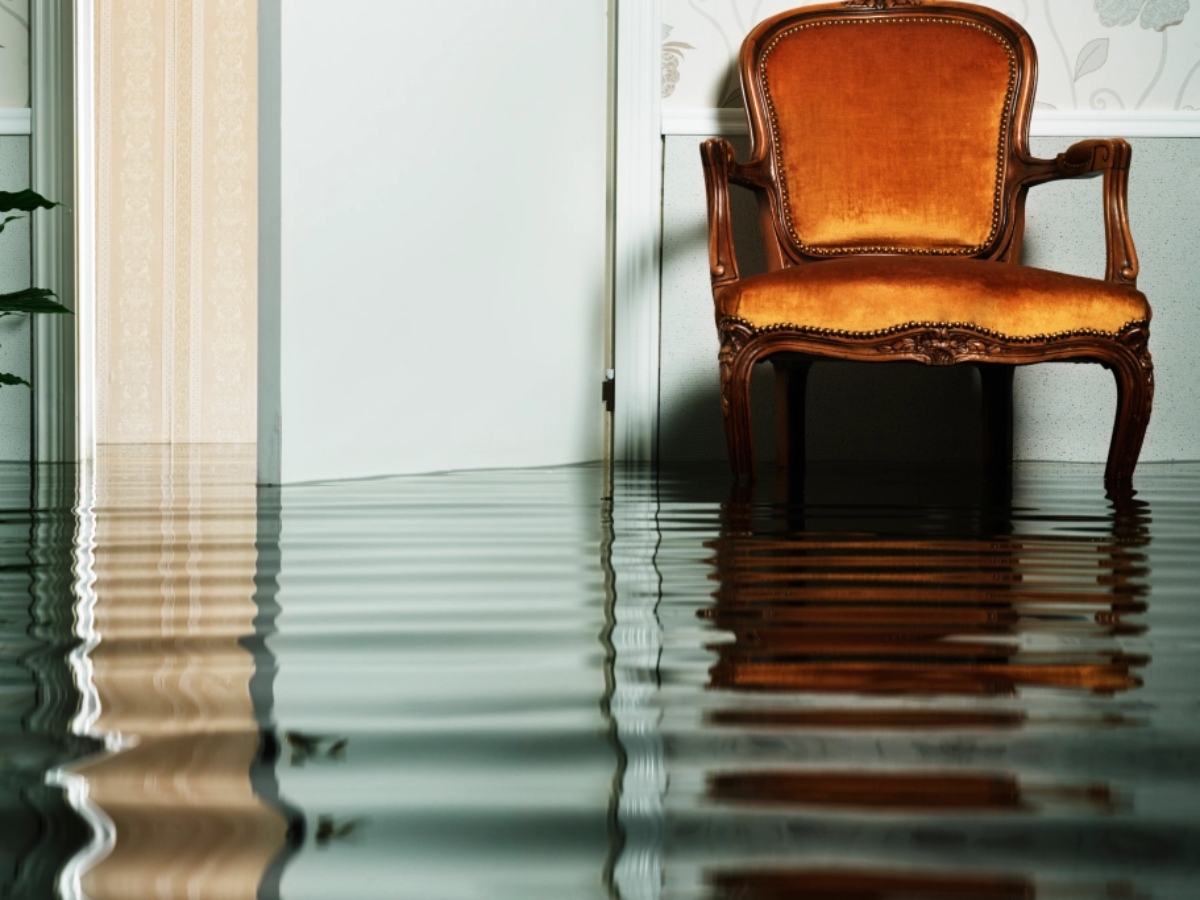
[(15, 401), (901, 412)]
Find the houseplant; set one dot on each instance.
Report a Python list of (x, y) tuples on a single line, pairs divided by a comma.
[(31, 299)]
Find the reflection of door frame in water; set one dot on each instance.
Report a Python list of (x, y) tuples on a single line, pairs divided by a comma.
[(75, 786), (633, 639), (263, 775)]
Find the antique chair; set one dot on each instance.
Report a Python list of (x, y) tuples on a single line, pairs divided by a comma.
[(890, 162)]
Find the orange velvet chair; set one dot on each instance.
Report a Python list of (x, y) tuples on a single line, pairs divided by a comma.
[(890, 161)]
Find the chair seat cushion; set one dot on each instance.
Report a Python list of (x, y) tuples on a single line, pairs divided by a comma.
[(873, 293)]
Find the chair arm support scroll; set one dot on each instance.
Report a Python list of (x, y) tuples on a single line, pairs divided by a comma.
[(717, 157), (720, 170), (1110, 157), (1090, 156)]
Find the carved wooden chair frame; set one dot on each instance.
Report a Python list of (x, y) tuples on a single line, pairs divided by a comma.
[(793, 349)]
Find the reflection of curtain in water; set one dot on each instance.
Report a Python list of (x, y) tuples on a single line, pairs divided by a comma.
[(174, 565), (634, 638)]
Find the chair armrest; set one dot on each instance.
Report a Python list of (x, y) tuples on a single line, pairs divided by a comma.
[(1110, 157), (717, 156)]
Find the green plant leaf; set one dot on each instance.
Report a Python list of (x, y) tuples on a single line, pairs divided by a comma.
[(31, 300), (9, 378), (26, 201), (9, 219)]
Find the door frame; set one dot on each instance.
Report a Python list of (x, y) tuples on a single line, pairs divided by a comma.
[(85, 229), (637, 228), (52, 174), (62, 146), (63, 168)]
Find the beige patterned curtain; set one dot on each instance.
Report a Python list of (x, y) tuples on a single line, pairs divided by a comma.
[(177, 220)]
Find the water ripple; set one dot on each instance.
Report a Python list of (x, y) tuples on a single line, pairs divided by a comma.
[(566, 682)]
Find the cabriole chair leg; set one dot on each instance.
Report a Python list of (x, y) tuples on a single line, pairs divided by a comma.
[(735, 404), (1135, 393)]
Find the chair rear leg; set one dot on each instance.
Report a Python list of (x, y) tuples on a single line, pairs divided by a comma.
[(1135, 395), (791, 388), (997, 384)]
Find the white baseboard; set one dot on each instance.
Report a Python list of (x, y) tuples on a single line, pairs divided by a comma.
[(15, 121)]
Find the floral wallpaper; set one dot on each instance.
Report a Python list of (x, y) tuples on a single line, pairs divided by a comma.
[(14, 54), (1093, 54)]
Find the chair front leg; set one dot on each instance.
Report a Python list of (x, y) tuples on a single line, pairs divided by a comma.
[(736, 366), (1134, 372)]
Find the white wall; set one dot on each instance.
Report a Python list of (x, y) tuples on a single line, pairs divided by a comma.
[(440, 249)]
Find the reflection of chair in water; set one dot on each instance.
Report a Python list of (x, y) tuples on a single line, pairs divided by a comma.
[(854, 612), (912, 616), (872, 672), (890, 161), (860, 885), (937, 792)]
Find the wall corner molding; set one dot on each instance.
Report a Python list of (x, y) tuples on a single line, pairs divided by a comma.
[(270, 243), (1046, 122)]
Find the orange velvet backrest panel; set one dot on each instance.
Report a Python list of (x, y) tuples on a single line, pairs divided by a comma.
[(889, 133)]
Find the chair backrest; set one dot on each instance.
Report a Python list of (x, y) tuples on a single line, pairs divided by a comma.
[(890, 126)]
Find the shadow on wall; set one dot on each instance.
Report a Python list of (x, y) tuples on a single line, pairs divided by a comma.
[(856, 411)]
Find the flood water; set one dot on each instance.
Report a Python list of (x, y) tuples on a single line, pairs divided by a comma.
[(868, 683)]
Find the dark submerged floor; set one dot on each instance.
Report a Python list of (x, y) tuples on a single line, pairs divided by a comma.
[(892, 682)]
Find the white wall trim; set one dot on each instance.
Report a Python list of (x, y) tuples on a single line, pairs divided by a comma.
[(704, 121), (270, 242), (85, 230), (637, 228), (1123, 123), (15, 121), (1046, 123)]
